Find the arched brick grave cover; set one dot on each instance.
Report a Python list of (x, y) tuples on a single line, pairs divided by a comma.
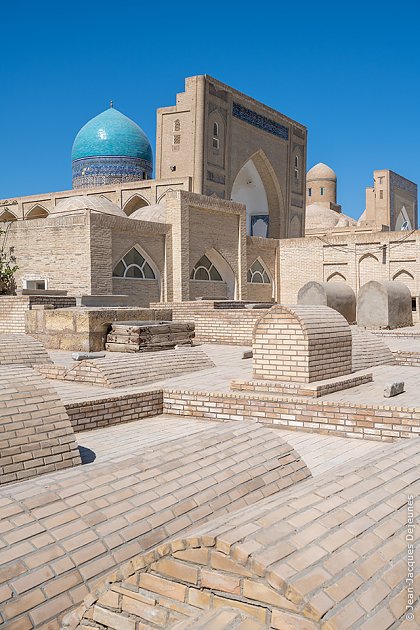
[(35, 431), (87, 521), (327, 554), (301, 344), (20, 349)]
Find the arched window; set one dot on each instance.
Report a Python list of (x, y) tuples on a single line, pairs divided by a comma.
[(134, 265), (309, 192), (177, 125), (257, 274), (296, 161), (205, 270), (321, 190)]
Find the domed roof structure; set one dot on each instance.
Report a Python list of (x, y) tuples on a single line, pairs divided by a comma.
[(111, 134), (91, 202), (320, 171), (155, 213), (110, 149), (320, 217)]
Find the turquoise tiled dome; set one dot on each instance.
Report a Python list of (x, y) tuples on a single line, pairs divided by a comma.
[(111, 134)]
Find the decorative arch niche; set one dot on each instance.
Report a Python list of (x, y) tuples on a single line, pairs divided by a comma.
[(135, 203), (37, 212), (212, 266), (406, 278), (257, 187), (369, 269), (336, 277), (6, 215)]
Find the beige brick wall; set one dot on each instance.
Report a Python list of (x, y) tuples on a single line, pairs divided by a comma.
[(95, 414), (12, 313), (55, 249), (353, 257), (212, 325), (372, 422)]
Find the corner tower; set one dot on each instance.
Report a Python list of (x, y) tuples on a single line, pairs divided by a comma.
[(110, 149)]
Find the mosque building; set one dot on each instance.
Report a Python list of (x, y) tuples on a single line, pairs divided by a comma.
[(223, 217)]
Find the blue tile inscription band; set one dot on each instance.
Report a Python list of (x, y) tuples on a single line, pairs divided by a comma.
[(257, 120)]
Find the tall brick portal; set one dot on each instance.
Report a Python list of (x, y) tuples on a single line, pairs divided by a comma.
[(301, 344)]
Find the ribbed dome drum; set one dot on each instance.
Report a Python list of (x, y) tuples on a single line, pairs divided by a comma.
[(110, 149)]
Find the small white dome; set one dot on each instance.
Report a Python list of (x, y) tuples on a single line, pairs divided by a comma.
[(88, 202), (155, 213), (320, 171)]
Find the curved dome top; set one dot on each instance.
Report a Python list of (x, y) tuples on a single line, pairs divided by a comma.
[(91, 202), (320, 171), (320, 217), (111, 134), (155, 213)]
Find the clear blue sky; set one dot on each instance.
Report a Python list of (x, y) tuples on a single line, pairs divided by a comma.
[(349, 71)]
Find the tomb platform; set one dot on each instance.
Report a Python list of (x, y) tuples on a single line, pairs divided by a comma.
[(311, 390)]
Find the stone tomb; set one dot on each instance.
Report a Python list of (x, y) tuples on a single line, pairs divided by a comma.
[(384, 305), (336, 295)]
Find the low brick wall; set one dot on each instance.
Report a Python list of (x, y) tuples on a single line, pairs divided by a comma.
[(217, 322), (12, 313), (14, 307), (369, 422), (93, 414), (407, 358)]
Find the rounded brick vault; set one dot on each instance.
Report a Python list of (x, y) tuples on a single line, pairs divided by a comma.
[(35, 431), (64, 531), (21, 349), (327, 554), (301, 344)]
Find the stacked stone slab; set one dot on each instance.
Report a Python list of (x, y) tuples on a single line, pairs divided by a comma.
[(328, 554), (301, 344), (21, 349), (336, 295), (384, 305), (35, 431), (148, 336), (85, 525)]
